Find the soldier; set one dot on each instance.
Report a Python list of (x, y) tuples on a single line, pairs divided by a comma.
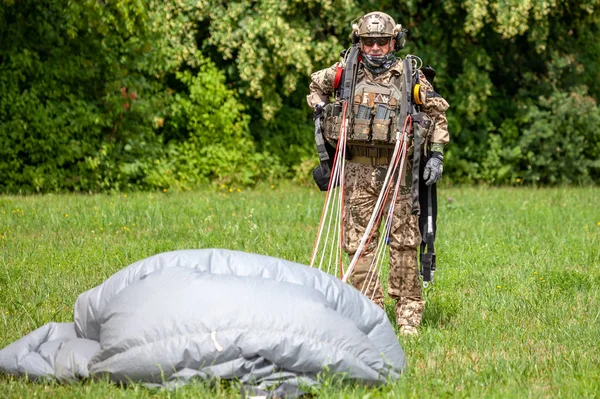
[(378, 88)]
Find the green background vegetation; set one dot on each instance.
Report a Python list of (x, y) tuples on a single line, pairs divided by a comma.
[(513, 312), (147, 94)]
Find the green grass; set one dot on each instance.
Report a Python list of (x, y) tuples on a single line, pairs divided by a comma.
[(514, 312)]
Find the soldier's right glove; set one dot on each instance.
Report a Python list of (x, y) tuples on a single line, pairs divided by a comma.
[(434, 168)]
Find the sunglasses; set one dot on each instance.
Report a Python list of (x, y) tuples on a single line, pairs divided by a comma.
[(370, 41)]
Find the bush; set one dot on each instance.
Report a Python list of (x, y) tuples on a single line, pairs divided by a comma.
[(69, 120), (218, 146), (560, 140), (131, 94)]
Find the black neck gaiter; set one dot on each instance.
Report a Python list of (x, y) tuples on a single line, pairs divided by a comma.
[(378, 64)]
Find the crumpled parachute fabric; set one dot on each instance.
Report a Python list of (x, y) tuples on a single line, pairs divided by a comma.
[(182, 315)]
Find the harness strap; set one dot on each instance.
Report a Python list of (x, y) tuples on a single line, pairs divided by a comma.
[(418, 121), (338, 76), (320, 141), (428, 228)]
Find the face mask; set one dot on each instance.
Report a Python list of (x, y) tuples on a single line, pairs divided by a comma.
[(380, 63)]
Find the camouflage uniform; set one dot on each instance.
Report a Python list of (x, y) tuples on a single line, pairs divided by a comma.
[(363, 182)]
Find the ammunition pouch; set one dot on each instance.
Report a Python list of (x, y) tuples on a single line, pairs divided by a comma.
[(381, 130), (332, 122), (369, 128), (423, 129), (360, 130), (373, 116), (382, 122)]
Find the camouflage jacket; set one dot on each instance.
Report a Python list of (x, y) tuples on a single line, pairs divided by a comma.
[(321, 89)]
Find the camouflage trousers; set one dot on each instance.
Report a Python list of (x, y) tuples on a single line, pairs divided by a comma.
[(363, 184)]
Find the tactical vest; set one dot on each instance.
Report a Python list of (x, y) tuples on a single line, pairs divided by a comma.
[(373, 121)]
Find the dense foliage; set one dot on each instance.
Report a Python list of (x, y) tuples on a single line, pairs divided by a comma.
[(132, 94)]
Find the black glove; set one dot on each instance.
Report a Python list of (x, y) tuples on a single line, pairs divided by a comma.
[(318, 110), (434, 168)]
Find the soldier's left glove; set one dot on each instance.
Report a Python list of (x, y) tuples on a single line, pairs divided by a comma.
[(434, 168)]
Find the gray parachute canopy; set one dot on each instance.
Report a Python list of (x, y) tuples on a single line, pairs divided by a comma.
[(214, 313)]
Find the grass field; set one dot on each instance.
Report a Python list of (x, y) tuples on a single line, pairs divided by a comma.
[(514, 312)]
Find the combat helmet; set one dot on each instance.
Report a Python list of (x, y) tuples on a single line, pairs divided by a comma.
[(376, 24)]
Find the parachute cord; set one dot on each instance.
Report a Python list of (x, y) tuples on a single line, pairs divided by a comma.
[(376, 265), (337, 208), (324, 212), (332, 216), (369, 231), (378, 274), (327, 239), (328, 196), (376, 283), (343, 139), (378, 261), (330, 245), (377, 211), (372, 269), (381, 243), (379, 253)]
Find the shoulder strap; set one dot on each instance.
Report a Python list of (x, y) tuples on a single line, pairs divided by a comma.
[(348, 79)]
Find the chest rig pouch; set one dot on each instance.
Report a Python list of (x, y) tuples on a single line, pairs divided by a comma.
[(375, 108), (332, 122)]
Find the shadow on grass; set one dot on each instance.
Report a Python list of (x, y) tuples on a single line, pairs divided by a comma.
[(440, 311)]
